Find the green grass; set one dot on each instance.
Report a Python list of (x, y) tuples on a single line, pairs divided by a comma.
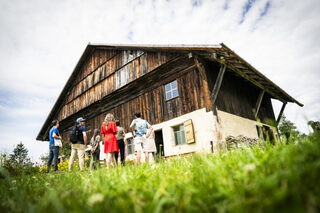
[(280, 178)]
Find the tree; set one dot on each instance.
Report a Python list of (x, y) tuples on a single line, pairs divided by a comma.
[(44, 157), (315, 126), (20, 155), (287, 128)]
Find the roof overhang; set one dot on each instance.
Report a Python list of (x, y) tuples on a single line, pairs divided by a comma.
[(239, 66)]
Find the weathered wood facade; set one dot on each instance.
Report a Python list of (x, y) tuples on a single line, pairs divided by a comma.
[(106, 71), (126, 79)]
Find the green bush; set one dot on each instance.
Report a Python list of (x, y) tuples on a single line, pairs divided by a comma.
[(18, 169), (18, 162)]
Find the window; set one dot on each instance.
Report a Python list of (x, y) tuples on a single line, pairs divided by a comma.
[(179, 134), (172, 90), (130, 147)]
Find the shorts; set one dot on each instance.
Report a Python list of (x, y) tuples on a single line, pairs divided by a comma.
[(139, 143)]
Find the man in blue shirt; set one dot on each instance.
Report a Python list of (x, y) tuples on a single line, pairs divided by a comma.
[(53, 150), (79, 146), (139, 128)]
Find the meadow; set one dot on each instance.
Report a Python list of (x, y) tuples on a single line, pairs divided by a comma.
[(265, 178)]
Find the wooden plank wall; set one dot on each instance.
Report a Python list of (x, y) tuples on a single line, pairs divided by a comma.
[(106, 71), (238, 96), (154, 107)]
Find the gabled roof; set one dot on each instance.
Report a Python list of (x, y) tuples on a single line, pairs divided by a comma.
[(234, 62), (220, 53)]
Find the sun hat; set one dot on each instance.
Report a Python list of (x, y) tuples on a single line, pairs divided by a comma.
[(80, 119)]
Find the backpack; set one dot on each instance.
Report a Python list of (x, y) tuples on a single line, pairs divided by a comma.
[(74, 134)]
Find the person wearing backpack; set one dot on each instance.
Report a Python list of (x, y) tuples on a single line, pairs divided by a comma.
[(53, 150), (139, 128), (78, 138)]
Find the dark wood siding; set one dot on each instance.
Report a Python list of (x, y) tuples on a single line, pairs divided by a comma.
[(106, 71), (125, 85), (153, 105), (238, 96)]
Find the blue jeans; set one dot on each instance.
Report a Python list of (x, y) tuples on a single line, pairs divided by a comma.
[(53, 154)]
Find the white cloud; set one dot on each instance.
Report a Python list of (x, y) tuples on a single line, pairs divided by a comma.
[(41, 42)]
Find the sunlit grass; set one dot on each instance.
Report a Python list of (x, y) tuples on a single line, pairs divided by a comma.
[(280, 178)]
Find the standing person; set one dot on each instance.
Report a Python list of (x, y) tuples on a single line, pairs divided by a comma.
[(121, 143), (79, 145), (139, 128), (109, 130), (53, 150), (95, 149), (150, 145)]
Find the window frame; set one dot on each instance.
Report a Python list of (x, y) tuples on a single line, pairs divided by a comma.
[(171, 90), (181, 133)]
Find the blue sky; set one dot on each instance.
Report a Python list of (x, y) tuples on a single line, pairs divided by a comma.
[(41, 42)]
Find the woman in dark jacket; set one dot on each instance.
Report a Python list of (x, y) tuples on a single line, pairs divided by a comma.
[(121, 142)]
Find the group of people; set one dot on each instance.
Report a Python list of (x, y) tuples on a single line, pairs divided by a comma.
[(114, 141)]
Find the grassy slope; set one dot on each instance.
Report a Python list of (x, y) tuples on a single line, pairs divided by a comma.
[(277, 178)]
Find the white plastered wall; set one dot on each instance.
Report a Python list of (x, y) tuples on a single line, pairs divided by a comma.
[(203, 126), (233, 125), (207, 128)]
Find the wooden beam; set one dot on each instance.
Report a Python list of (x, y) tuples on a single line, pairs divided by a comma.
[(281, 112), (217, 85), (248, 72), (249, 78), (202, 71), (200, 67), (240, 66), (258, 104), (233, 58)]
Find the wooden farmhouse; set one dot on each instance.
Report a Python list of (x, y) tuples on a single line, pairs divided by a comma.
[(194, 96)]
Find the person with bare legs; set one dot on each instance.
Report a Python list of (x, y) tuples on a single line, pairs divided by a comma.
[(150, 145), (109, 130), (139, 128)]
